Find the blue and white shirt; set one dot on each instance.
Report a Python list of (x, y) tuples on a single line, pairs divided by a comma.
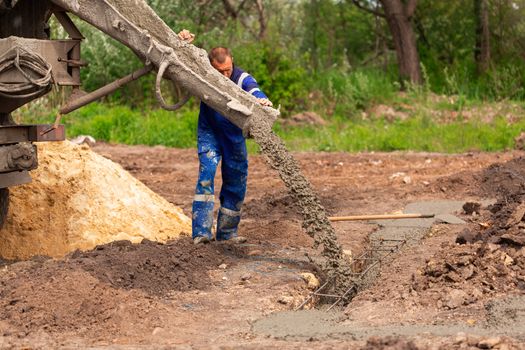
[(246, 82), (213, 126)]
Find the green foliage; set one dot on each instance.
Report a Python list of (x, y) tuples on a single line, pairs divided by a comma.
[(349, 92), (335, 33), (417, 134), (324, 56), (446, 32), (284, 81), (121, 124), (505, 81)]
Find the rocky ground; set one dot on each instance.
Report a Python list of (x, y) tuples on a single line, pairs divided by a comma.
[(460, 287)]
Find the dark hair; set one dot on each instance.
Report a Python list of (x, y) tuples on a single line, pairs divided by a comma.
[(219, 54)]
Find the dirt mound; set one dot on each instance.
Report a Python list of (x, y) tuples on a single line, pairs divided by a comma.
[(504, 222), (490, 257), (497, 180), (101, 289), (79, 199), (503, 180), (463, 274), (151, 266)]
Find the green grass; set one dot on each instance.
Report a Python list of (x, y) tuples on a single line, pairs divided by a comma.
[(417, 134), (119, 124)]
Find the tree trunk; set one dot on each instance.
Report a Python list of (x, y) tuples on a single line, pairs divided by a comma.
[(398, 16), (262, 19), (482, 48)]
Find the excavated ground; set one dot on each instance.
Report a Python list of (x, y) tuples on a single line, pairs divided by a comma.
[(437, 294)]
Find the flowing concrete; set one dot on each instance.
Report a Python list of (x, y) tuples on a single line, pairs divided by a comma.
[(504, 316)]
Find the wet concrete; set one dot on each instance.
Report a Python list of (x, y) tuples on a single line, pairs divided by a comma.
[(442, 210), (315, 221), (505, 316), (415, 229), (392, 235)]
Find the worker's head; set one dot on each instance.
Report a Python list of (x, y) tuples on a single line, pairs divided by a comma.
[(222, 60)]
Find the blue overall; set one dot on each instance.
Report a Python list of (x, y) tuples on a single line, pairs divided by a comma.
[(219, 139)]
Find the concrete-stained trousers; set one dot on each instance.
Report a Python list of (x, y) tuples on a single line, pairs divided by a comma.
[(234, 168)]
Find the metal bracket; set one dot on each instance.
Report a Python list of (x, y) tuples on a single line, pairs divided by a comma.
[(68, 25), (30, 133), (14, 178), (75, 103), (362, 266)]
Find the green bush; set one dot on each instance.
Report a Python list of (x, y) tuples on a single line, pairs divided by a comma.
[(285, 81), (351, 92), (505, 81)]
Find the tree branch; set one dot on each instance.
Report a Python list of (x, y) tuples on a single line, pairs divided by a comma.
[(228, 7), (368, 9), (241, 5), (262, 19)]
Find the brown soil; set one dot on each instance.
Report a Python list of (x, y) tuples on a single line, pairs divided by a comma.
[(150, 267), (488, 257), (177, 294)]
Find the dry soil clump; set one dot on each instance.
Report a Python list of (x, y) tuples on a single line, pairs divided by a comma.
[(488, 258), (79, 199)]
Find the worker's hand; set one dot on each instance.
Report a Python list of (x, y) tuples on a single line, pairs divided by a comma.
[(186, 35), (265, 102)]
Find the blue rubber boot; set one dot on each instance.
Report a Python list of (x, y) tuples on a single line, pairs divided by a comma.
[(227, 223), (202, 209), (202, 219)]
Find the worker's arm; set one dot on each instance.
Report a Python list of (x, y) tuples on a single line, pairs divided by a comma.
[(250, 85)]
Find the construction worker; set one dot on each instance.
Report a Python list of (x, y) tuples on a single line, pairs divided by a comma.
[(220, 140)]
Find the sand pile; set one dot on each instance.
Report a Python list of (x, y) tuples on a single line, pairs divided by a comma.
[(79, 199)]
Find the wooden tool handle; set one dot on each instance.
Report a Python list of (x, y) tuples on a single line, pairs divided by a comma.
[(380, 217)]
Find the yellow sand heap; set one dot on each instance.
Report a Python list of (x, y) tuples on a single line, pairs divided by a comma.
[(79, 199)]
